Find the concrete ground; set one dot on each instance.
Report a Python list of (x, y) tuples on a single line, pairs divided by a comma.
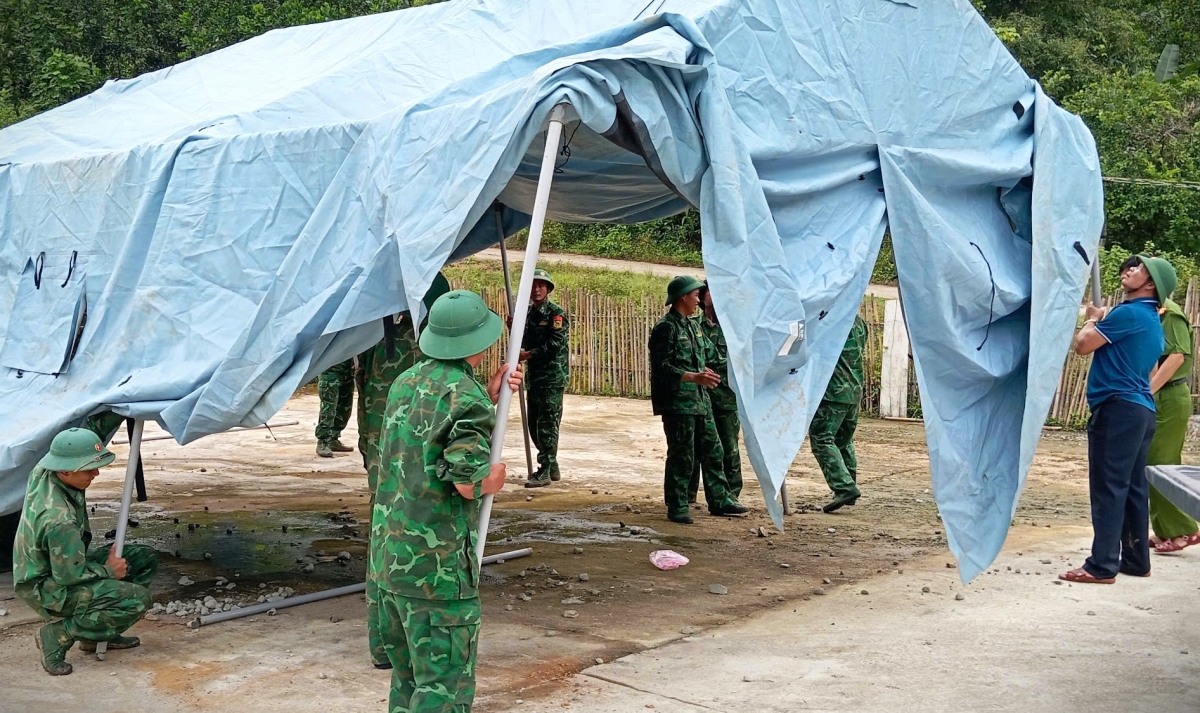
[(1016, 641)]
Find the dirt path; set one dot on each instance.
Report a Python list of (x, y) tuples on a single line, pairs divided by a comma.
[(238, 492), (650, 268)]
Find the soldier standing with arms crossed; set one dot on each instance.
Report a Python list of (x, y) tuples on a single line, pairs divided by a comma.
[(544, 349), (436, 450), (680, 382)]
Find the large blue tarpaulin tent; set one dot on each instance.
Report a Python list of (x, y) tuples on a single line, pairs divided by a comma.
[(235, 224)]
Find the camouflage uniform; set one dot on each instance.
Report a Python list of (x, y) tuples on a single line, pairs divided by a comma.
[(374, 378), (725, 413), (335, 387), (831, 434), (436, 433), (56, 574), (678, 346), (547, 371)]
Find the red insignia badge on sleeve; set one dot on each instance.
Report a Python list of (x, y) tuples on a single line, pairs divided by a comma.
[(558, 321)]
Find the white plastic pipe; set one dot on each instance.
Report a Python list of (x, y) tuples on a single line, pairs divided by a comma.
[(540, 202), (135, 454), (1097, 297), (509, 294), (320, 596)]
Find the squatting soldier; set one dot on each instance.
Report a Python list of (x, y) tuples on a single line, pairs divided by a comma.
[(680, 382), (831, 434), (335, 387), (547, 366), (378, 368), (86, 595), (724, 402), (435, 450)]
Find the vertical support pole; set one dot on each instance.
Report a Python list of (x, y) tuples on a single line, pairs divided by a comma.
[(509, 294), (540, 202), (893, 382), (140, 477), (1097, 296), (783, 497), (131, 469)]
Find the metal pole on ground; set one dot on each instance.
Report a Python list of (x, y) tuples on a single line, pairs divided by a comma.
[(783, 496), (508, 292), (320, 596), (540, 202), (131, 469)]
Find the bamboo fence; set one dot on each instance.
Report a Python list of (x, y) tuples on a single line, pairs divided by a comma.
[(609, 357)]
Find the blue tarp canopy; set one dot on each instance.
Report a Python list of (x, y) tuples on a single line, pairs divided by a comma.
[(233, 225)]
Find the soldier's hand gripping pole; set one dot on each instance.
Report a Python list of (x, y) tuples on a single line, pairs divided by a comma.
[(131, 469), (509, 294), (521, 308)]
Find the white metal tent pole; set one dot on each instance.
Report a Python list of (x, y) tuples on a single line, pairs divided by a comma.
[(1097, 294), (508, 292), (540, 201), (135, 455)]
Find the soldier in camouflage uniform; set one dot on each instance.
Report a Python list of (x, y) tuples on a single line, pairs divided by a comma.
[(378, 368), (547, 366), (680, 381), (435, 451), (91, 595), (724, 402), (831, 434), (335, 387)]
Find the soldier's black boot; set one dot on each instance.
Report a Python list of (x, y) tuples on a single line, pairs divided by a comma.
[(338, 447), (54, 643), (841, 500), (732, 507), (684, 519), (539, 479), (554, 473), (121, 642), (324, 450)]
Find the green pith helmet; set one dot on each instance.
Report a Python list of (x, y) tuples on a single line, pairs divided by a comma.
[(76, 449), (459, 325), (1163, 274), (680, 286), (540, 274)]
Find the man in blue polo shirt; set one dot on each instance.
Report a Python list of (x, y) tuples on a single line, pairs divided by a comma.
[(1125, 346)]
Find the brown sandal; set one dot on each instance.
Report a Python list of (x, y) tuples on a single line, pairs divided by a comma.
[(1172, 545), (1081, 576)]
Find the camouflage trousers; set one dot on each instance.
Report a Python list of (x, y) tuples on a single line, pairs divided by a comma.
[(102, 610), (729, 427), (431, 645), (545, 405), (831, 437), (692, 438), (335, 387), (374, 635)]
